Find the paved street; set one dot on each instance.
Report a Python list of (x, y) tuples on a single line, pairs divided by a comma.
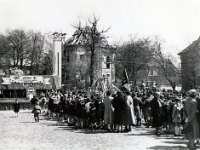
[(23, 134)]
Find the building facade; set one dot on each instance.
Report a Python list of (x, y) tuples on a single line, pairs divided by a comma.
[(190, 66), (76, 58)]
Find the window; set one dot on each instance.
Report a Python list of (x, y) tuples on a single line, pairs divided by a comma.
[(82, 57), (107, 62), (14, 93), (67, 58)]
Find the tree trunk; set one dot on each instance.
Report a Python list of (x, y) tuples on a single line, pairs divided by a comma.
[(21, 63), (173, 87), (92, 67)]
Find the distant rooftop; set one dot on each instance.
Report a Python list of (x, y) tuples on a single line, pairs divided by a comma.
[(195, 45)]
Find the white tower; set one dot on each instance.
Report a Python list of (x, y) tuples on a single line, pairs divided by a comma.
[(57, 55)]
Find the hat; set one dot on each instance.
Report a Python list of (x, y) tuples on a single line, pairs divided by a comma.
[(157, 93), (192, 92)]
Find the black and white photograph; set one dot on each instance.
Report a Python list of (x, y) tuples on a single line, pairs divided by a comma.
[(99, 74)]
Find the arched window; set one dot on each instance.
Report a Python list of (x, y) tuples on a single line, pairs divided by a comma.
[(107, 62)]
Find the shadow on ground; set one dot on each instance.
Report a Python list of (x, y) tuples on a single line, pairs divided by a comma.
[(28, 122), (169, 142), (12, 117), (173, 143), (168, 148), (150, 133)]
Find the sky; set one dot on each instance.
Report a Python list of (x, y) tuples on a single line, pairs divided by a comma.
[(175, 22)]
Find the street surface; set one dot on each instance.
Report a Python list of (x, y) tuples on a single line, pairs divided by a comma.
[(23, 133)]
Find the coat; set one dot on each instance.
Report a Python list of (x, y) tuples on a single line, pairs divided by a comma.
[(176, 113), (198, 109), (131, 105), (147, 108), (137, 102), (156, 108), (127, 114), (16, 107), (119, 105), (108, 112), (191, 112)]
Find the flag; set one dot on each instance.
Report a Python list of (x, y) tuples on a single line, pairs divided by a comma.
[(125, 78), (125, 82)]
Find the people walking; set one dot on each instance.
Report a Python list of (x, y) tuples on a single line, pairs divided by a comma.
[(37, 111), (16, 107), (33, 102)]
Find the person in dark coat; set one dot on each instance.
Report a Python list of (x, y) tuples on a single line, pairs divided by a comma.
[(80, 111), (156, 107), (62, 105), (16, 107), (137, 103), (33, 102), (119, 105), (50, 107), (198, 108)]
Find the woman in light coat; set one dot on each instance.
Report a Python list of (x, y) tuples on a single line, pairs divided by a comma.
[(108, 112), (130, 111)]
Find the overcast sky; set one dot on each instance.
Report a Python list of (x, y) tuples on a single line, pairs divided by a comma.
[(177, 22)]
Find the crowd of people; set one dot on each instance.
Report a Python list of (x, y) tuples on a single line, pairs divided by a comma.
[(166, 111)]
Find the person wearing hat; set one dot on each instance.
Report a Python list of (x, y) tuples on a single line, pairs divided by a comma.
[(176, 116), (190, 111)]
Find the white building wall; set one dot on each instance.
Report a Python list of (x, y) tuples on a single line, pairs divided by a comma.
[(57, 57)]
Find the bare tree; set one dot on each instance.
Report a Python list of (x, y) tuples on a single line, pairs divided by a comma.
[(36, 51), (25, 49), (135, 55), (4, 52), (18, 41), (89, 35), (169, 70)]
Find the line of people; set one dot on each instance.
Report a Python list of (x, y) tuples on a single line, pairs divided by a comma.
[(123, 109), (173, 112)]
